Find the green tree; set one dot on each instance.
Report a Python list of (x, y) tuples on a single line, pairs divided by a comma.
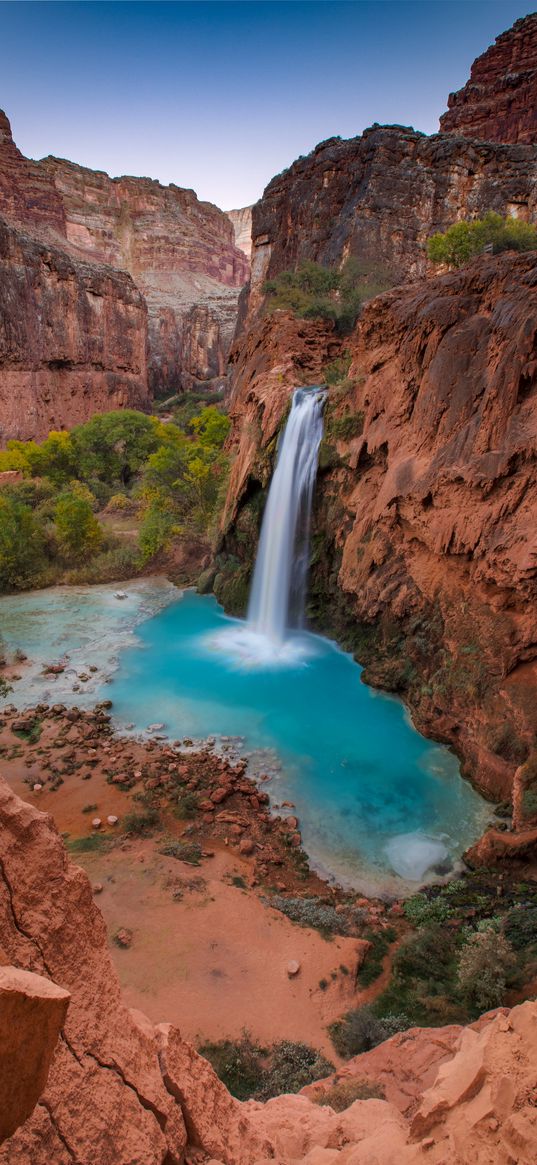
[(112, 447), (77, 529), (22, 554), (159, 524), (465, 239), (484, 966)]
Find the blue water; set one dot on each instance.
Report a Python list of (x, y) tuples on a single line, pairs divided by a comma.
[(377, 803), (371, 793)]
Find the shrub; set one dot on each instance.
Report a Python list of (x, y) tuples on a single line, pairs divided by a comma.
[(251, 1071), (120, 562), (312, 912), (380, 944), (484, 965), (337, 370), (314, 291), (141, 824), (357, 1031), (465, 239), (346, 427), (342, 1094), (520, 926), (291, 1066), (422, 911), (183, 851)]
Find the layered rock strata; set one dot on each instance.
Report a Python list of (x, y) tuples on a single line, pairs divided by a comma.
[(179, 251), (72, 338), (380, 196), (242, 226), (121, 1092), (424, 555), (166, 252), (499, 102)]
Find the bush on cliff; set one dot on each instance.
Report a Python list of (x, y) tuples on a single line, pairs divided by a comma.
[(316, 292), (252, 1072), (463, 240), (484, 967)]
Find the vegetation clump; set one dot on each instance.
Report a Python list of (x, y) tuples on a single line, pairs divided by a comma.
[(141, 824), (463, 240), (342, 1094), (99, 502), (314, 913), (313, 291), (253, 1072)]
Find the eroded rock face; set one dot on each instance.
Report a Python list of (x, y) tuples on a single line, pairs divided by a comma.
[(499, 102), (32, 1013), (121, 1092), (72, 338), (242, 226), (181, 254), (428, 483), (174, 273), (380, 196)]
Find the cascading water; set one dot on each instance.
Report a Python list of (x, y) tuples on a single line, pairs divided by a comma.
[(278, 591), (276, 609)]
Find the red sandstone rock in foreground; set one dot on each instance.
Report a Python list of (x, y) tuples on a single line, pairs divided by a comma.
[(499, 102), (123, 1093), (32, 1012)]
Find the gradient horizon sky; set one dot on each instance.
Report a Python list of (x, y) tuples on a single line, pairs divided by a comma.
[(220, 96)]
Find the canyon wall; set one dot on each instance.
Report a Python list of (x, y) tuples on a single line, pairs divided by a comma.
[(122, 1092), (499, 102), (181, 254), (242, 226), (168, 275), (380, 196), (72, 338), (424, 553)]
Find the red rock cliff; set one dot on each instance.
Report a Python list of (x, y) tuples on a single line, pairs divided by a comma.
[(499, 102), (73, 332), (121, 1092), (427, 564), (181, 254), (380, 196), (173, 256), (72, 338)]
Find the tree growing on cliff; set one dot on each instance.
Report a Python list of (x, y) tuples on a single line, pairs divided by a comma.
[(485, 964), (463, 240)]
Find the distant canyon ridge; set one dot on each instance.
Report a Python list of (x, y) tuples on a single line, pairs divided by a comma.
[(114, 291)]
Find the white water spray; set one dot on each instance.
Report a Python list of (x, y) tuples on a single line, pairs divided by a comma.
[(278, 590)]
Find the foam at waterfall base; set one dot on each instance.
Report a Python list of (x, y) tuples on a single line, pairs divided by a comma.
[(248, 650), (412, 855)]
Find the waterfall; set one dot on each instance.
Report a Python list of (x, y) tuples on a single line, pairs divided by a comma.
[(279, 586)]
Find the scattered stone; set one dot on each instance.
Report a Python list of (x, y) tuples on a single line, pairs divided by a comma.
[(123, 937), (37, 787), (112, 820), (96, 823), (293, 968), (98, 888), (246, 846)]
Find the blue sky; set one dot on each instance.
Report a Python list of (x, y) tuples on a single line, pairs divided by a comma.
[(220, 96)]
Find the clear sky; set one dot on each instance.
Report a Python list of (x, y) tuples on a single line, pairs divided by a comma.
[(220, 96)]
